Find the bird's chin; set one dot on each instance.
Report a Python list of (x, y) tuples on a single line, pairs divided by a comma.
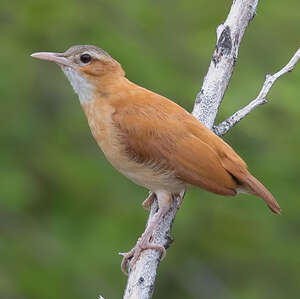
[(65, 68), (79, 83)]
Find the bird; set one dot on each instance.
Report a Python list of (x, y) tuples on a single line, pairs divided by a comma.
[(150, 139)]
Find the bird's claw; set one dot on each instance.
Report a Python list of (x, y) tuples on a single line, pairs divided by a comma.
[(130, 258), (148, 201)]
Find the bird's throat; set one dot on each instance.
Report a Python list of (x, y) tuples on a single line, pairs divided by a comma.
[(81, 86)]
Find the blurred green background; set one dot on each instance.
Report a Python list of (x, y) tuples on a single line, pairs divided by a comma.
[(65, 213)]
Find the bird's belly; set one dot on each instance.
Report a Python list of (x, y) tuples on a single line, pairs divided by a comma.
[(108, 139), (146, 175), (150, 178)]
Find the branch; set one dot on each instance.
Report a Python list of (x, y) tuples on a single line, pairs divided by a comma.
[(140, 284), (229, 37), (227, 124)]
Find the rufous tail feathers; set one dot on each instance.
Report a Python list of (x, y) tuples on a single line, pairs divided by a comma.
[(257, 188)]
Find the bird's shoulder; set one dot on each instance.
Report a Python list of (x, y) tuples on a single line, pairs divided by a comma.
[(134, 100)]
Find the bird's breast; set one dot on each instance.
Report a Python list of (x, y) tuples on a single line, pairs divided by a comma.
[(99, 116)]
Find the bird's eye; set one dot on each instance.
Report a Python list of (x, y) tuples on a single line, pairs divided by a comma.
[(85, 58)]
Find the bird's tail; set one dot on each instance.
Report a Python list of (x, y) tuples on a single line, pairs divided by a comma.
[(255, 187)]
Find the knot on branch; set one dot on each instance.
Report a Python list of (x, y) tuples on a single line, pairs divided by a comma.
[(224, 45)]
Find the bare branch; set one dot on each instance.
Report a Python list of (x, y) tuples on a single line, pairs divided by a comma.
[(227, 124), (229, 37), (140, 284)]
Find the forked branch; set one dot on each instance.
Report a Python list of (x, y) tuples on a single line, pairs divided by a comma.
[(261, 99)]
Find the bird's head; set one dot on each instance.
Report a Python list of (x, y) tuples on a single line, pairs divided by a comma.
[(86, 67)]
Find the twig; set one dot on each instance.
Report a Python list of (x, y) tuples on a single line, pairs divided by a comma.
[(227, 124), (140, 284)]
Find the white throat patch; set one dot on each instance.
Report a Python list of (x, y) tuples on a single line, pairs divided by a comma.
[(80, 85)]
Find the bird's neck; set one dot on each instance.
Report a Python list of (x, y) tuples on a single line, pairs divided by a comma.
[(108, 85), (91, 88), (108, 92)]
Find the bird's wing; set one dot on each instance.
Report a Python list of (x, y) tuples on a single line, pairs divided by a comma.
[(161, 132), (155, 129)]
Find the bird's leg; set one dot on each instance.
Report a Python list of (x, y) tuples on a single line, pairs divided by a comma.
[(180, 197), (144, 242), (149, 200)]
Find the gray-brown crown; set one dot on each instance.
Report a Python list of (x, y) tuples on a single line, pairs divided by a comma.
[(74, 50)]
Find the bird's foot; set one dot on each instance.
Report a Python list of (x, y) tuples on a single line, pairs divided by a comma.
[(148, 201), (130, 258), (144, 242)]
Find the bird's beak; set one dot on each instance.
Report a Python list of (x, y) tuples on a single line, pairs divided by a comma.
[(58, 58)]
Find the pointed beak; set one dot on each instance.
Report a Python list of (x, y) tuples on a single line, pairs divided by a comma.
[(58, 58)]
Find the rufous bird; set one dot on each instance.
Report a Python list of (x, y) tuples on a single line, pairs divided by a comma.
[(151, 140)]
